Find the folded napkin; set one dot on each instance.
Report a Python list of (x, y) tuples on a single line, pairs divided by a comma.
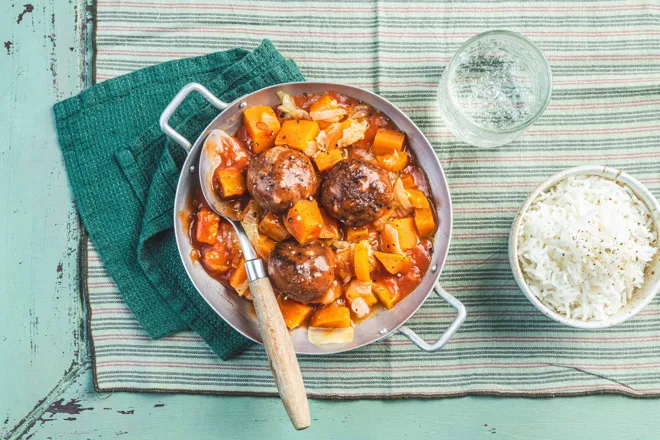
[(123, 173)]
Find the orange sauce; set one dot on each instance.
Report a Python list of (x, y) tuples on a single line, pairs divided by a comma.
[(400, 285)]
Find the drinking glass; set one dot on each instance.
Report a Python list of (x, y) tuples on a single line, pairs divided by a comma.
[(496, 85)]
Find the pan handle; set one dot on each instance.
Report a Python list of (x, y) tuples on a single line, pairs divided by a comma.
[(447, 335), (176, 102)]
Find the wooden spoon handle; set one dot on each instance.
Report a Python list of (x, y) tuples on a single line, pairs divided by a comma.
[(281, 355)]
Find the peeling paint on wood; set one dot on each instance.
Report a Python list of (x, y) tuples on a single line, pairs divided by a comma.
[(28, 8), (71, 407), (8, 45)]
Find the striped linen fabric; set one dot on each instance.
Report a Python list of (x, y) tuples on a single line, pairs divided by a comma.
[(605, 57)]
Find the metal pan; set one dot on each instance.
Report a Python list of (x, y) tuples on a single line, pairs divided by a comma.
[(237, 311)]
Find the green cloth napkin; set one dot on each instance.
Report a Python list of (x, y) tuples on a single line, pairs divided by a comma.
[(123, 172)]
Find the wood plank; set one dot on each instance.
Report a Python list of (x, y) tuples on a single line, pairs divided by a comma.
[(42, 347), (173, 417), (41, 338)]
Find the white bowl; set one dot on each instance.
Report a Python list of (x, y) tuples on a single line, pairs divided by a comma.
[(641, 297)]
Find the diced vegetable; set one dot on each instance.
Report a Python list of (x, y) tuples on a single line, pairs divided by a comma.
[(387, 141), (407, 232), (425, 221), (262, 126), (238, 280), (272, 226), (380, 222), (395, 161), (417, 198), (293, 312), (289, 109), (360, 297), (229, 182), (325, 160), (383, 294), (321, 335), (402, 205), (264, 246), (226, 151), (332, 294), (334, 133), (327, 109), (297, 134), (407, 180), (304, 221), (344, 265), (224, 254), (331, 316), (216, 260), (249, 219), (330, 230), (206, 230), (361, 261), (356, 234), (394, 263), (389, 239)]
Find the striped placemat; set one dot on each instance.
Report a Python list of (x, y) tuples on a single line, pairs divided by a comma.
[(605, 109)]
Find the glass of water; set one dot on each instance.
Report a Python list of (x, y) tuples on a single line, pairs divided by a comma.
[(496, 85)]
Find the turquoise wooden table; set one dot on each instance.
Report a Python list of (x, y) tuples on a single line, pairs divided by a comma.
[(46, 386)]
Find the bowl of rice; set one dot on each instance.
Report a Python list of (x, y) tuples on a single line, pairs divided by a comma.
[(584, 247)]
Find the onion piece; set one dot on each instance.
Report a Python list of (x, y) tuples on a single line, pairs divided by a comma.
[(323, 335), (250, 221), (403, 207), (289, 107)]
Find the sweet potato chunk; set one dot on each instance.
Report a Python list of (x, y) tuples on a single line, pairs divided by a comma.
[(388, 141), (425, 221), (406, 231), (361, 261), (262, 126), (408, 180), (330, 230), (264, 246), (293, 312), (206, 230), (417, 198), (304, 221), (333, 316), (394, 263), (272, 226), (383, 294), (325, 160), (238, 280), (297, 133), (229, 182), (360, 233), (395, 161)]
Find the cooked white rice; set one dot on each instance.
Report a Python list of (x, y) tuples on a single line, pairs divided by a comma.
[(583, 246)]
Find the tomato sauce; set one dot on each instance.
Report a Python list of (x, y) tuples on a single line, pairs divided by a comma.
[(215, 244)]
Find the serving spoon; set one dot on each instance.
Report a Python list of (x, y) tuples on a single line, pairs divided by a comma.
[(274, 333)]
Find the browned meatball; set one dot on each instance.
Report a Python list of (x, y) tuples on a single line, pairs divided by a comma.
[(304, 272), (279, 177), (356, 192)]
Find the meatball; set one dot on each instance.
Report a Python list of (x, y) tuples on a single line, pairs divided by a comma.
[(304, 272), (356, 192), (279, 177)]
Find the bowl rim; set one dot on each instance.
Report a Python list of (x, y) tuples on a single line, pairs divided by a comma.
[(607, 172)]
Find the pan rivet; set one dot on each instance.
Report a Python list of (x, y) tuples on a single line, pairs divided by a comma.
[(192, 169), (242, 105), (383, 331), (434, 268)]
